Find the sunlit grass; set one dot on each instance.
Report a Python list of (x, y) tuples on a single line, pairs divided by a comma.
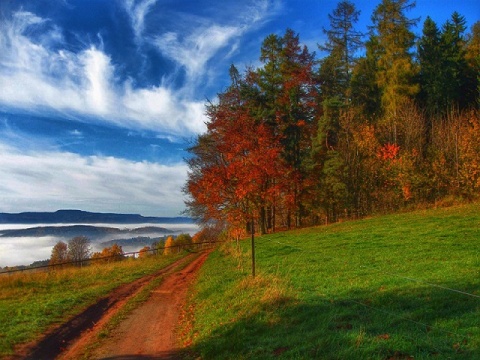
[(30, 302), (371, 289)]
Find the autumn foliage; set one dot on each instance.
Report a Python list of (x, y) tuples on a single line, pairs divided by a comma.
[(300, 141), (109, 254)]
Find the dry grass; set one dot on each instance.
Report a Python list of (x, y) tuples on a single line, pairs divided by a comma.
[(38, 299)]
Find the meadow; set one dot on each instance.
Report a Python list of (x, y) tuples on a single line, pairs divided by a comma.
[(31, 302), (400, 286)]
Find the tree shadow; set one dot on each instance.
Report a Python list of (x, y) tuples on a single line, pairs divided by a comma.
[(169, 355), (401, 323)]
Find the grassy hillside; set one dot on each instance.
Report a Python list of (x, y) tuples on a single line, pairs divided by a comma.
[(30, 302), (394, 287)]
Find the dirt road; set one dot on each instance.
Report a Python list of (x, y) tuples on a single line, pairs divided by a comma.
[(149, 332)]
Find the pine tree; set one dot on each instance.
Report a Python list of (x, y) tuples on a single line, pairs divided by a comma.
[(366, 94), (431, 69), (331, 144), (342, 45), (395, 69), (455, 73)]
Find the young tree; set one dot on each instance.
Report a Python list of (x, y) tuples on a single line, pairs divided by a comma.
[(169, 243), (158, 246), (109, 254), (79, 249), (145, 252), (184, 241), (116, 252), (59, 253), (469, 156)]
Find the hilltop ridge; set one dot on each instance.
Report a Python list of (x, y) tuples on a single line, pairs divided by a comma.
[(85, 217)]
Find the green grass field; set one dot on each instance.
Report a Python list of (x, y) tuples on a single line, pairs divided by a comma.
[(31, 302), (403, 286)]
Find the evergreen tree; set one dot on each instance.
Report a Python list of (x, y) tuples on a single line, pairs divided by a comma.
[(331, 151), (431, 68), (473, 60), (395, 68), (366, 95), (342, 45), (455, 73)]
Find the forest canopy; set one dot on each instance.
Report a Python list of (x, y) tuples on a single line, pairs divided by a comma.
[(385, 121)]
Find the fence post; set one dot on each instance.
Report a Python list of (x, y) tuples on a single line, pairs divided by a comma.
[(253, 248)]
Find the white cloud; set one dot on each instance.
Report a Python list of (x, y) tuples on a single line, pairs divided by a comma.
[(48, 181), (196, 49), (137, 10), (196, 40), (38, 73), (150, 105), (35, 77), (98, 76)]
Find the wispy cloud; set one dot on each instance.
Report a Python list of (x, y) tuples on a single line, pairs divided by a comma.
[(48, 181), (137, 10), (39, 72), (197, 48), (36, 75), (197, 40)]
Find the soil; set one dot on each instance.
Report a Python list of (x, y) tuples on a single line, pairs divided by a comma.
[(149, 332)]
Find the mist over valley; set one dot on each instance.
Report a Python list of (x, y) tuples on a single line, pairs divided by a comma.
[(24, 244)]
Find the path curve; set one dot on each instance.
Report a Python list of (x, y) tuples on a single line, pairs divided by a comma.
[(149, 332), (154, 322)]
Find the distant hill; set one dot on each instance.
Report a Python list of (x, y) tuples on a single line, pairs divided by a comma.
[(85, 217), (90, 231)]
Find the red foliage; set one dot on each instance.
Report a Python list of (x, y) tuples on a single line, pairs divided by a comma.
[(389, 152)]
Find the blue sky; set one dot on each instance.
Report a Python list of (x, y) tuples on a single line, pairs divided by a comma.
[(100, 98)]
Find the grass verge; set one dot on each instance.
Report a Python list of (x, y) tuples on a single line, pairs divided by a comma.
[(31, 302), (393, 287)]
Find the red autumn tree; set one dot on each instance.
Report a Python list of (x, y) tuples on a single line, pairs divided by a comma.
[(234, 164)]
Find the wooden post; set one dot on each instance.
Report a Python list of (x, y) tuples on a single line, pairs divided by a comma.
[(253, 248)]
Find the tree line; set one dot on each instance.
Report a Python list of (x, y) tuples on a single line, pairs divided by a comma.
[(78, 250), (384, 121)]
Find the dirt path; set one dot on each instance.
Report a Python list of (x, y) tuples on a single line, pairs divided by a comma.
[(148, 333)]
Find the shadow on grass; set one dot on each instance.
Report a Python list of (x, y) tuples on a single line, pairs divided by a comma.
[(171, 355), (403, 323)]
